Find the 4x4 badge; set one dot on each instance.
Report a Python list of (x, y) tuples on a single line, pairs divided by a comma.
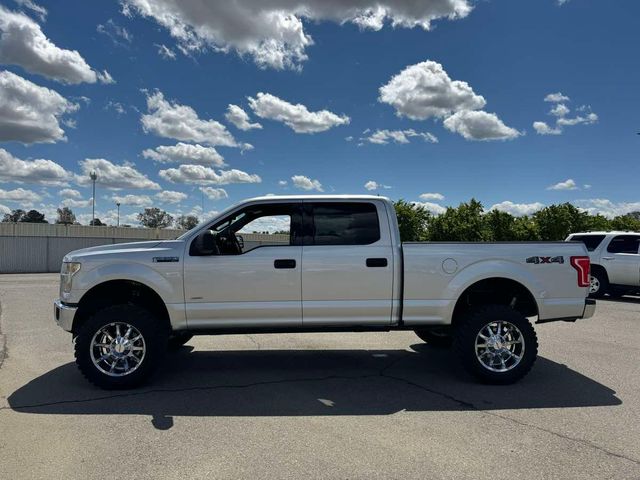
[(537, 260)]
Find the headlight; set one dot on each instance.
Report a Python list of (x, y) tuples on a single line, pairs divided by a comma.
[(69, 269)]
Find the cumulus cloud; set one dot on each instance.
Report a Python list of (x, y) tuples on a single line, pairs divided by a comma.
[(214, 193), (113, 176), (560, 111), (19, 195), (282, 183), (272, 33), (76, 203), (133, 200), (425, 90), (383, 137), (238, 117), (479, 125), (373, 185), (181, 122), (431, 207), (431, 196), (23, 43), (30, 113), (185, 153), (607, 207), (169, 196), (201, 175), (69, 193), (305, 183), (518, 209), (568, 184), (297, 117), (40, 171)]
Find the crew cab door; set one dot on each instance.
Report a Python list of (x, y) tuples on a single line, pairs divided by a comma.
[(254, 277), (622, 260), (347, 264)]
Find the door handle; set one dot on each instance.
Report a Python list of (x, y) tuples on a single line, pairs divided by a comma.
[(284, 263), (376, 262), (607, 258)]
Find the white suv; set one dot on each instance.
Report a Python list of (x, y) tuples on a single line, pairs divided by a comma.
[(615, 261)]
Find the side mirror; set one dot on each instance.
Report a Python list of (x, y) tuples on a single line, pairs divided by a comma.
[(204, 244)]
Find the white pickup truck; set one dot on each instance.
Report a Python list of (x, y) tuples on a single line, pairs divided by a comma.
[(337, 265)]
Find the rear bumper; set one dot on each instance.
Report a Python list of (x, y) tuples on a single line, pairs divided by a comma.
[(64, 315), (589, 308), (588, 312)]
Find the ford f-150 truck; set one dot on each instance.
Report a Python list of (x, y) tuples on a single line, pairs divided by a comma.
[(337, 265)]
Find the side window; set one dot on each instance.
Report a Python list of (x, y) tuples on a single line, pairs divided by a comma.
[(590, 241), (624, 244), (266, 230), (345, 224)]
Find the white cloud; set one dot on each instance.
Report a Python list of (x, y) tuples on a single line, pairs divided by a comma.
[(19, 195), (133, 200), (185, 153), (214, 193), (586, 186), (76, 203), (479, 125), (272, 32), (606, 207), (305, 183), (115, 32), (201, 175), (589, 119), (431, 196), (373, 185), (559, 110), (169, 196), (568, 184), (30, 113), (434, 208), (556, 98), (39, 10), (69, 193), (118, 107), (383, 137), (181, 122), (23, 43), (238, 117), (40, 171), (518, 209), (425, 90), (113, 176), (4, 209), (282, 183), (543, 129), (297, 117), (165, 52)]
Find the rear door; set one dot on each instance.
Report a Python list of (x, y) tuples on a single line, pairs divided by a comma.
[(622, 260), (347, 264)]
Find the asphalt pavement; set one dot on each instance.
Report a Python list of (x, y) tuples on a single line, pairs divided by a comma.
[(335, 405)]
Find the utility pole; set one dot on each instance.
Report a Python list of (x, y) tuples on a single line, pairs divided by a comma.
[(118, 205), (93, 176)]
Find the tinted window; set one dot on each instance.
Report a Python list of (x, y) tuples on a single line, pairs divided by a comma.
[(590, 241), (624, 244), (345, 224)]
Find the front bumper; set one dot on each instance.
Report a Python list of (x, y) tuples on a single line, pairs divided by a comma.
[(589, 308), (64, 314)]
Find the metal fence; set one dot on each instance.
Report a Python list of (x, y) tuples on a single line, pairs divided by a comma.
[(40, 247)]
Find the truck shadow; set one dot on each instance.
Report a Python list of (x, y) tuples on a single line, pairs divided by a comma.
[(309, 382)]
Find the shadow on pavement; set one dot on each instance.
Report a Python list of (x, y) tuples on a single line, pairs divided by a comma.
[(309, 382), (624, 299)]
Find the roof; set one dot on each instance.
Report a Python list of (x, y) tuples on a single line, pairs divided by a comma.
[(316, 197), (612, 232)]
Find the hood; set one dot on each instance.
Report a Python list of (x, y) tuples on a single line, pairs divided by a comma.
[(118, 249)]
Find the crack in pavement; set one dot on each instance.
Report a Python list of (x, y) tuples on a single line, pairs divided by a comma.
[(382, 373)]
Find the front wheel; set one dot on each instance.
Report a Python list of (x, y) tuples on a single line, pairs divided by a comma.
[(120, 346), (496, 344)]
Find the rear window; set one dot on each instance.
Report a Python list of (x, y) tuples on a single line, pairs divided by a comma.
[(590, 241), (345, 224), (624, 244)]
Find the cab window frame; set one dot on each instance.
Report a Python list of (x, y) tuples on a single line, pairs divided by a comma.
[(309, 228)]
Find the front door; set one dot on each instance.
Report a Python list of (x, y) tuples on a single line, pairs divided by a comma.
[(347, 264), (254, 278), (622, 260)]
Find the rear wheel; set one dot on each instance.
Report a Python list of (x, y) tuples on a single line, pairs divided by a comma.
[(598, 284), (496, 344), (120, 346), (435, 337)]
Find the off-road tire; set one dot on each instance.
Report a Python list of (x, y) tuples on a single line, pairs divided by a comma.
[(603, 282)]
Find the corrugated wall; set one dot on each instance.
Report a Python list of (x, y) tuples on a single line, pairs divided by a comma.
[(40, 247)]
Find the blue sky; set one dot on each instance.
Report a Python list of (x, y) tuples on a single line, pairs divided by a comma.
[(340, 107)]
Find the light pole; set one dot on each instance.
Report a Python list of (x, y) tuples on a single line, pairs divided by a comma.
[(118, 222), (93, 176)]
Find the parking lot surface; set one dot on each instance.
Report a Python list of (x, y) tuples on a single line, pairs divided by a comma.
[(354, 405)]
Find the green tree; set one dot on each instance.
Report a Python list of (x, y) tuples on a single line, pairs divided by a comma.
[(556, 222), (187, 222), (155, 218), (33, 216), (15, 216), (597, 223), (96, 222), (465, 223), (626, 222), (65, 216), (526, 229), (500, 226), (413, 221)]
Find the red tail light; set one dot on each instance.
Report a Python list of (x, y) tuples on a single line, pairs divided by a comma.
[(582, 265)]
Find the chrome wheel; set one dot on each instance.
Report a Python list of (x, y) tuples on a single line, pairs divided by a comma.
[(499, 346), (594, 284), (117, 349)]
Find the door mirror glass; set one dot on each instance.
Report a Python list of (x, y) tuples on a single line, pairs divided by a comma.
[(204, 244)]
